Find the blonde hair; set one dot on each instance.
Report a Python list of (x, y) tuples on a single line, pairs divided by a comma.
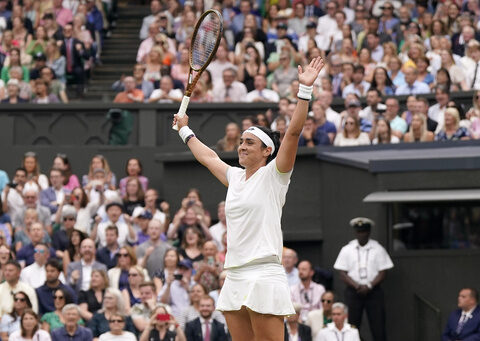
[(423, 136), (454, 112)]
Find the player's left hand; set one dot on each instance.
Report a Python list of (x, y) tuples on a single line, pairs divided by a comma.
[(311, 72), (181, 121)]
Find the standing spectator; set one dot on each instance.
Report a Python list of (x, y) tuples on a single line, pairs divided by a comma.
[(219, 228), (12, 198), (11, 321), (126, 233), (130, 94), (231, 140), (205, 327), (464, 322), (239, 19), (295, 330), (312, 10), (362, 265), (56, 61), (71, 331), (209, 268), (63, 15), (79, 273), (62, 162), (155, 9), (29, 329), (46, 292), (306, 293), (473, 73), (13, 284), (412, 86), (327, 23), (289, 262), (150, 254), (95, 22), (339, 327), (299, 21), (134, 196), (261, 93), (231, 90), (175, 291), (55, 194), (284, 75), (352, 135), (133, 168)]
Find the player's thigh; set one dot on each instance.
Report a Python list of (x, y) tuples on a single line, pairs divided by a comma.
[(239, 325), (267, 327)]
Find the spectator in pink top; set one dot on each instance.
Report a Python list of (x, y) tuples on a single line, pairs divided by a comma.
[(71, 180), (63, 15)]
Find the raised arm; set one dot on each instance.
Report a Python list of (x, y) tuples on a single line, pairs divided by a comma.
[(288, 149), (202, 153)]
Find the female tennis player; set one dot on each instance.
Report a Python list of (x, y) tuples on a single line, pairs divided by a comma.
[(255, 297)]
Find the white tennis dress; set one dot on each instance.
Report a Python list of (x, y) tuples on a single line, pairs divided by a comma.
[(255, 276)]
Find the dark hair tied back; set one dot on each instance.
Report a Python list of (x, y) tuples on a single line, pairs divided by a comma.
[(275, 136)]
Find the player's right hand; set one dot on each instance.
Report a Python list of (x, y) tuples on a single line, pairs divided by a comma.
[(181, 121)]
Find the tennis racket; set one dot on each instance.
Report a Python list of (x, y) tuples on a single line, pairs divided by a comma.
[(205, 40)]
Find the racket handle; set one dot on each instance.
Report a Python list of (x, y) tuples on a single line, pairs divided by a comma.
[(182, 110)]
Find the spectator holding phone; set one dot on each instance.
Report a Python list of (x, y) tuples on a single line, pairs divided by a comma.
[(159, 326)]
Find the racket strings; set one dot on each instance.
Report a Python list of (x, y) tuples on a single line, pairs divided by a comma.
[(204, 42)]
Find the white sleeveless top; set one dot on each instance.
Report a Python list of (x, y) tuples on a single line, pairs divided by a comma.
[(254, 210)]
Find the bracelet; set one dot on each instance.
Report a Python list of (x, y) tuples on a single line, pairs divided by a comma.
[(305, 92), (186, 134)]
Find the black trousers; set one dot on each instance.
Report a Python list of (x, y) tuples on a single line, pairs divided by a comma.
[(77, 78), (374, 304)]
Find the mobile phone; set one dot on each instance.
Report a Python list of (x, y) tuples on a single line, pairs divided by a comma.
[(178, 276), (211, 261), (163, 317), (68, 197), (12, 185)]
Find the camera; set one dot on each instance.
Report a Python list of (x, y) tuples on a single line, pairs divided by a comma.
[(178, 277), (163, 317), (12, 185)]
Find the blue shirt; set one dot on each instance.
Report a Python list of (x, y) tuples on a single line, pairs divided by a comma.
[(415, 89), (461, 132), (26, 254), (320, 138), (81, 334), (45, 297), (3, 179)]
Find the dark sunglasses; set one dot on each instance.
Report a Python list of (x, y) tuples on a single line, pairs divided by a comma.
[(115, 321), (68, 218), (16, 299), (477, 97), (58, 297), (132, 275), (326, 301), (123, 255)]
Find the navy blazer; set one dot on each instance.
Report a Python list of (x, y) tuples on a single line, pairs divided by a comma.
[(470, 331), (46, 197), (193, 331)]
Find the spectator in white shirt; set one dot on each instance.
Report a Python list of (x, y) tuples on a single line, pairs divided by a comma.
[(230, 90), (166, 93), (261, 93), (35, 274), (125, 230), (219, 228), (339, 329), (327, 23)]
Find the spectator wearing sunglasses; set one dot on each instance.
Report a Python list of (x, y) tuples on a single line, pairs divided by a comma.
[(71, 331), (319, 318), (53, 319), (117, 324), (35, 274), (11, 322)]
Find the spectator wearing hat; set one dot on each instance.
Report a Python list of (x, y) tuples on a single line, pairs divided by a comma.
[(362, 265), (53, 273), (176, 288), (294, 329), (126, 233), (79, 273), (13, 92), (141, 218), (108, 254), (40, 61)]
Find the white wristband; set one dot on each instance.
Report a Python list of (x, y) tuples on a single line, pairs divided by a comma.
[(305, 92), (185, 132)]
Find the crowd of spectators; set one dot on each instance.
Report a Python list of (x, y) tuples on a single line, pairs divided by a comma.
[(46, 46)]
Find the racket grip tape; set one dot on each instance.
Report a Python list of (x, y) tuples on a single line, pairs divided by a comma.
[(182, 110)]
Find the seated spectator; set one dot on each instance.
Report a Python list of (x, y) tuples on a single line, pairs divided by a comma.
[(354, 107), (319, 318), (26, 91), (397, 124), (209, 268), (418, 130), (45, 293), (13, 92), (382, 82), (158, 330), (42, 95), (250, 63), (155, 9), (464, 322), (140, 83), (72, 330), (72, 253), (180, 70), (295, 330), (13, 284), (192, 242), (56, 61), (54, 319), (14, 57), (473, 115), (131, 94), (76, 276), (35, 273), (55, 194), (321, 122), (75, 54), (99, 162), (230, 90), (117, 324), (150, 254), (311, 136), (359, 86), (118, 276), (383, 132), (90, 301), (32, 167), (374, 108), (10, 322), (351, 136), (191, 214), (151, 198), (437, 111), (125, 230), (260, 92), (283, 75), (29, 328), (325, 98), (39, 63), (112, 305), (231, 140), (456, 73), (394, 65), (451, 130), (306, 293), (26, 254), (131, 292), (424, 75), (219, 228), (133, 168), (108, 254), (55, 87), (23, 236), (289, 262), (166, 93), (206, 323), (339, 326), (142, 310), (141, 218), (412, 86), (170, 264)]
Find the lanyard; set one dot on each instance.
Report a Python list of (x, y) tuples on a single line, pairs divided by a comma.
[(360, 267), (336, 335)]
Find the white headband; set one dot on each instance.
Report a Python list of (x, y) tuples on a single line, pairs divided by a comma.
[(262, 136)]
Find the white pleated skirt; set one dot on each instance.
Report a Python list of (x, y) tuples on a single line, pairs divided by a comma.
[(261, 286)]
